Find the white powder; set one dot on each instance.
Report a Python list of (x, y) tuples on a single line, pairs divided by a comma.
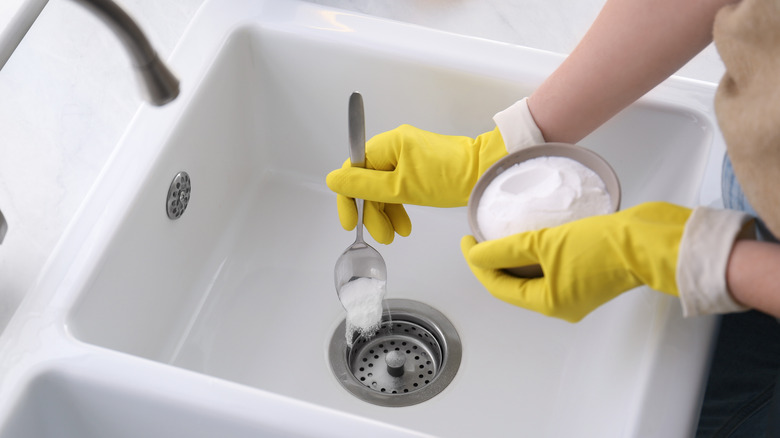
[(362, 298), (538, 193)]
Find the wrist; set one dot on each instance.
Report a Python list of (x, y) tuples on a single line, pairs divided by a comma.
[(752, 275)]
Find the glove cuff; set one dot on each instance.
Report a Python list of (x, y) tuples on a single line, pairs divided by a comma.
[(705, 248), (517, 127)]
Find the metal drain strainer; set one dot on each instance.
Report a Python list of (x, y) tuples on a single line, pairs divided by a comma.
[(413, 357), (178, 195)]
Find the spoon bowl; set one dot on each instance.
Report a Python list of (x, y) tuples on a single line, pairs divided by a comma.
[(359, 260)]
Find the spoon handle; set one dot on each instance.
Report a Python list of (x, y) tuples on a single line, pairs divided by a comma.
[(357, 148), (357, 131)]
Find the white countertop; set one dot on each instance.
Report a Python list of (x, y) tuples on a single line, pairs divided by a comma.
[(68, 93)]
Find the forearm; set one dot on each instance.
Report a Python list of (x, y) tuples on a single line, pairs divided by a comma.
[(753, 275), (632, 46)]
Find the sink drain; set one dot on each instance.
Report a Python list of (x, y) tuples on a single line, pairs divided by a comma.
[(414, 356)]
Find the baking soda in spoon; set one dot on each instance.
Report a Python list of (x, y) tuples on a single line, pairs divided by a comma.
[(362, 298)]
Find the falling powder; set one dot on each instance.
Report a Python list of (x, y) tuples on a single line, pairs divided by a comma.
[(538, 193), (362, 298)]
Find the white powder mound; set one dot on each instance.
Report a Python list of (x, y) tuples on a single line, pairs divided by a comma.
[(539, 193), (362, 298)]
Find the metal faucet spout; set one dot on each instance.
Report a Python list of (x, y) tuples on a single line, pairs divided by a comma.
[(159, 84)]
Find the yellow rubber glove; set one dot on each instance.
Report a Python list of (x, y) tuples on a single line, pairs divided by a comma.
[(415, 167), (410, 166), (586, 262)]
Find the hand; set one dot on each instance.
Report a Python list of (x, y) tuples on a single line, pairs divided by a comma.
[(410, 166), (591, 261)]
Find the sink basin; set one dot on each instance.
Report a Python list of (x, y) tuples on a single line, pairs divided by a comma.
[(234, 300), (69, 401)]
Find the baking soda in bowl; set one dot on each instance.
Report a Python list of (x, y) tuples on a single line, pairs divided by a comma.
[(538, 193), (362, 298)]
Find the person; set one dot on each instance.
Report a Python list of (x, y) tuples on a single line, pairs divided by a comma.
[(710, 258)]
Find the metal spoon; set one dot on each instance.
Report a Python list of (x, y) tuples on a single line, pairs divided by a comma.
[(359, 260)]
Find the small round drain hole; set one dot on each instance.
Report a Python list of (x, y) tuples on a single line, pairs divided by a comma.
[(414, 356), (178, 195)]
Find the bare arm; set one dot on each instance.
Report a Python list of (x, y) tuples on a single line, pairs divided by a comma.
[(753, 275), (632, 46)]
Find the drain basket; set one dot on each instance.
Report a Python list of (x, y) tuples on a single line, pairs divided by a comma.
[(414, 356)]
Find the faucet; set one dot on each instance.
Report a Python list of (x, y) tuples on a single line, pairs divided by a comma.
[(158, 83)]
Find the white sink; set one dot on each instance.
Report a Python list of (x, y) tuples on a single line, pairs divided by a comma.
[(224, 316), (71, 400)]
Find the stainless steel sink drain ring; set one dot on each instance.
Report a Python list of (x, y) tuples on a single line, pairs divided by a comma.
[(413, 357)]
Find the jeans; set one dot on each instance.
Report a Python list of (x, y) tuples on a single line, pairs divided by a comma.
[(742, 398)]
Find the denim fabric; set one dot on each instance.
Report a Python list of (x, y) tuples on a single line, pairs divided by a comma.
[(742, 398), (742, 383), (734, 199)]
